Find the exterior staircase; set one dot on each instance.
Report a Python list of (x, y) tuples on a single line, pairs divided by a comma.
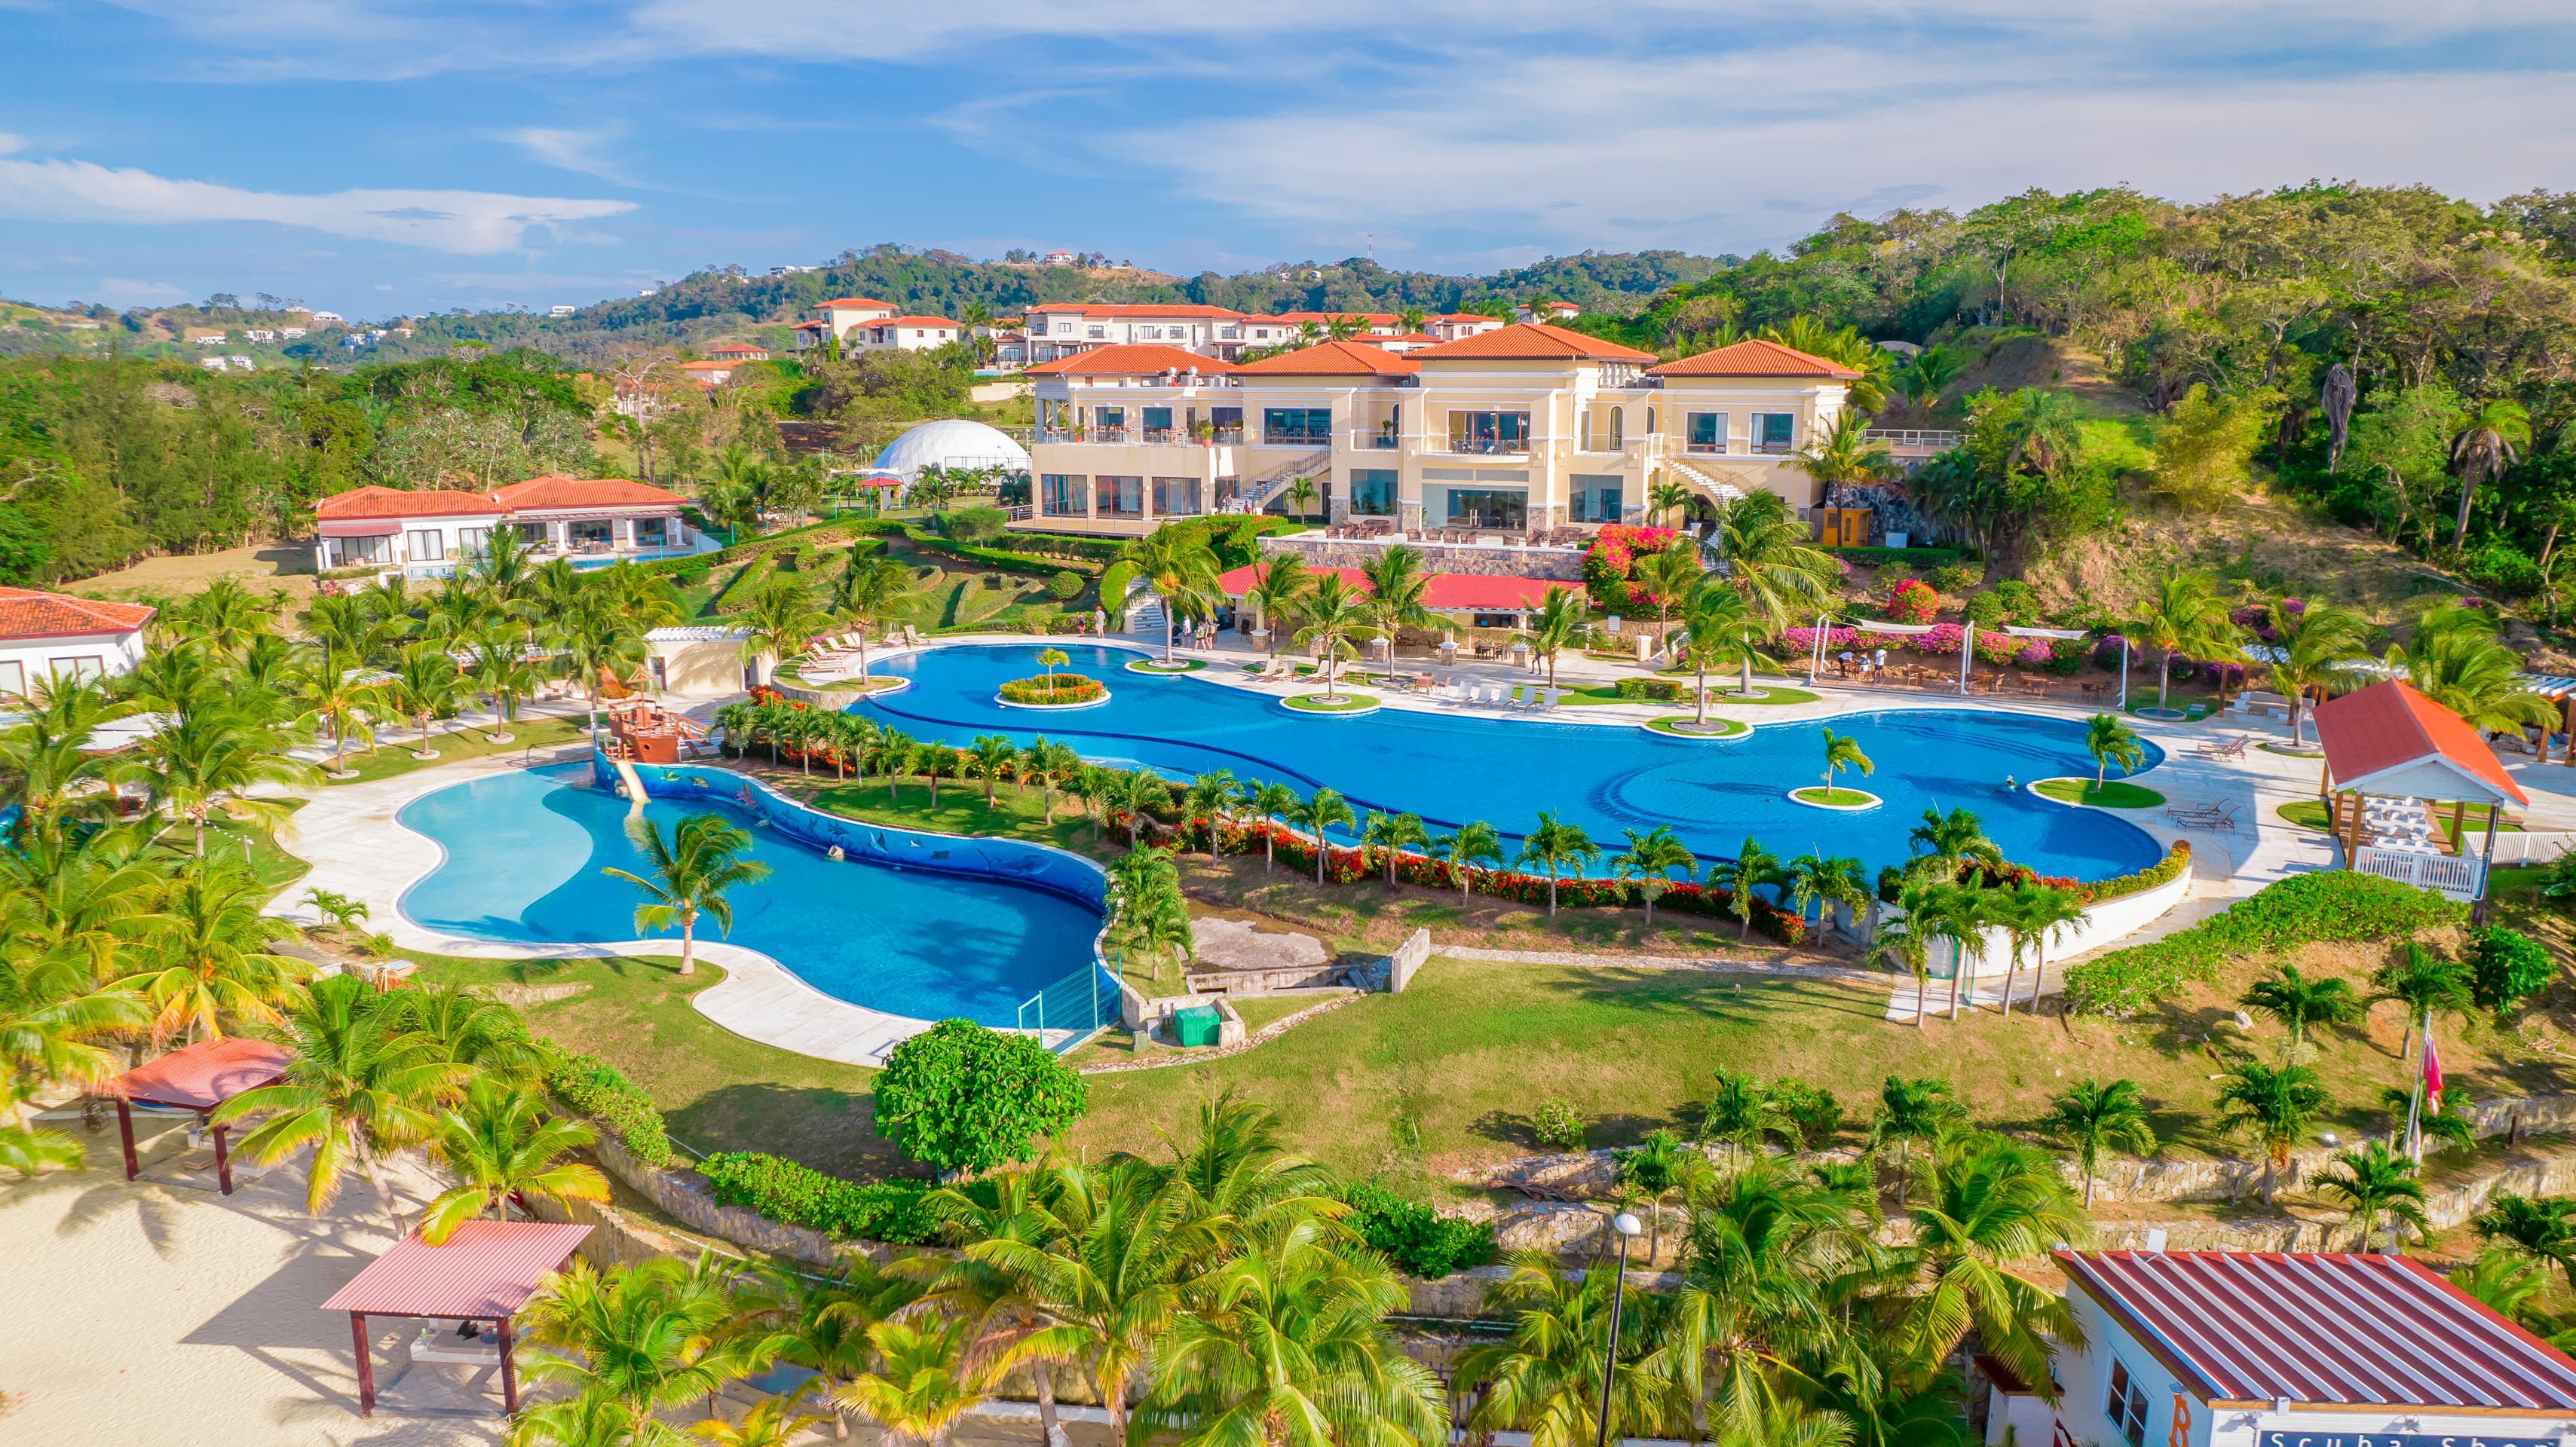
[(1262, 491), (1722, 491), (1145, 620)]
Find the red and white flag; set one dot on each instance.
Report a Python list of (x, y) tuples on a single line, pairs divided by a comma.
[(2432, 1078)]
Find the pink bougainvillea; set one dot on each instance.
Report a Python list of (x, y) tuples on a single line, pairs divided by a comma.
[(1912, 601), (2036, 653)]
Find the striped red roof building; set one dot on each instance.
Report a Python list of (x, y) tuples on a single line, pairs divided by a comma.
[(486, 1269)]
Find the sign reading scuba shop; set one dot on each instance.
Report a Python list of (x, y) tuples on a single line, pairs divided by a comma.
[(2399, 1439)]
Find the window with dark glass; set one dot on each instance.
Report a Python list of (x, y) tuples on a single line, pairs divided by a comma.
[(1704, 431), (2127, 1407), (1158, 423), (1771, 431), (1225, 424), (1176, 497), (1373, 492), (1061, 495), (1489, 431), (1118, 497), (1488, 508), (1297, 426)]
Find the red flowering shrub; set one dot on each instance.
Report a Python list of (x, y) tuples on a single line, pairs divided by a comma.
[(1911, 601)]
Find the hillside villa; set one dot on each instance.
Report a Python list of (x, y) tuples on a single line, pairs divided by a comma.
[(1523, 430), (45, 636), (425, 534), (868, 325), (1053, 331)]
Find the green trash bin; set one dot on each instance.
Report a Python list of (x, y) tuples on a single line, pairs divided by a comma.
[(1196, 1025)]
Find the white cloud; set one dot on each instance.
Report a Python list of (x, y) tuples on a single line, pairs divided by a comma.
[(468, 222), (10, 142), (122, 291), (571, 150)]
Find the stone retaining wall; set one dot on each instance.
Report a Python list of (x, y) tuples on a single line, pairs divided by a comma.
[(1559, 563)]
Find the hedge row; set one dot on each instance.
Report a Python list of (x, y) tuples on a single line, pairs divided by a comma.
[(2326, 906), (1420, 1241), (1910, 557), (745, 552), (2163, 871), (595, 1089), (929, 541), (895, 1212)]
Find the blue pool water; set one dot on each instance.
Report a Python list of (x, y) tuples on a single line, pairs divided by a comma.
[(1449, 769), (524, 855)]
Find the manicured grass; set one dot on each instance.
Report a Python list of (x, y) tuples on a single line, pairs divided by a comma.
[(1833, 798), (1016, 812), (1718, 728), (389, 759), (2111, 794), (1317, 703), (1261, 1010), (1723, 696), (1156, 665), (868, 683), (2311, 814)]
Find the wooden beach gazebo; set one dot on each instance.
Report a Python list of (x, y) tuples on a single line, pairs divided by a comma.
[(197, 1077), (484, 1271)]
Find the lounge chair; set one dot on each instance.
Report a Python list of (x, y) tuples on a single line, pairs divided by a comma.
[(2232, 749)]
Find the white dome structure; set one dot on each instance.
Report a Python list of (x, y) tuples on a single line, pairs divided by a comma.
[(951, 442)]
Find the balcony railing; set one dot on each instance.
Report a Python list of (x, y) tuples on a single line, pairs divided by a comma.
[(1144, 436), (1487, 446), (1912, 440), (1296, 439)]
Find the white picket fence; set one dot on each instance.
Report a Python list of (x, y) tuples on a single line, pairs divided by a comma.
[(2457, 876)]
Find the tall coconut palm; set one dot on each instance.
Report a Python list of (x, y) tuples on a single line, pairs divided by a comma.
[(358, 1088), (1667, 500), (210, 959), (1335, 613), (1992, 1202), (1920, 1109), (2274, 1108), (992, 757), (1721, 628), (1909, 937), (1556, 625), (871, 591), (208, 762), (1268, 801), (1180, 567), (595, 641), (1842, 751), (692, 872), (2373, 1182), (1399, 592), (1752, 867), (345, 701), (1462, 849), (502, 1144), (505, 674), (2110, 740), (2185, 614), (1278, 593), (1392, 834), (1320, 811), (1545, 1378), (1650, 859), (1668, 577), (1764, 554), (1844, 455), (424, 686), (2455, 660), (780, 619), (1961, 914), (2094, 1117), (2322, 650), (2483, 450), (1770, 1265), (1556, 846), (46, 765), (1951, 840), (2033, 914)]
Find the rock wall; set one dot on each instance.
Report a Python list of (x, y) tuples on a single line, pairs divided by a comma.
[(1564, 563)]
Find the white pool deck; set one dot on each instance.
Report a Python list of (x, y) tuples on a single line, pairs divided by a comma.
[(360, 849)]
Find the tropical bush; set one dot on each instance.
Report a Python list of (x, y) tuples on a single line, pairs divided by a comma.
[(1055, 688), (1420, 1241), (785, 1191), (978, 526), (1954, 577), (2329, 905), (2506, 967), (1556, 1124), (1661, 689), (592, 1087), (963, 1097), (1066, 585)]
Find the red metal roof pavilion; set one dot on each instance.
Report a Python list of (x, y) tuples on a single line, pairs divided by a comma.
[(484, 1271), (197, 1077), (2255, 1328)]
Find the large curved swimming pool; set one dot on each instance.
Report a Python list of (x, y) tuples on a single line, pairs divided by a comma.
[(524, 851), (1449, 769)]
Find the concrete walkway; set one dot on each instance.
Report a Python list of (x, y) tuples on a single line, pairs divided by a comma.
[(360, 848)]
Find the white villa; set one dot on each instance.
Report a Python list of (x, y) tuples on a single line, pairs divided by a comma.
[(55, 635), (1056, 330), (866, 324), (1518, 429), (426, 534)]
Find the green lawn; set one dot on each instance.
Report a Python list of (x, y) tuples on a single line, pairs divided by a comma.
[(2112, 794), (1718, 728), (1318, 703), (389, 759), (1833, 798)]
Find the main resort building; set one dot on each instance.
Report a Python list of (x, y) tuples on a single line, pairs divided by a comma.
[(1529, 430), (426, 533)]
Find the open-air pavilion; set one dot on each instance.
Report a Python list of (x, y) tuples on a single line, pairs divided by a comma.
[(484, 1272), (2391, 755), (197, 1077)]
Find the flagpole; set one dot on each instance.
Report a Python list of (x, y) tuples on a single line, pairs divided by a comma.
[(2415, 1097)]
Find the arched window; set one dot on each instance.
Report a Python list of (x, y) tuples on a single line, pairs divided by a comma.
[(1618, 427), (1650, 419)]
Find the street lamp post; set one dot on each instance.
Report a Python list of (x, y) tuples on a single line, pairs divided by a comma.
[(1627, 1227)]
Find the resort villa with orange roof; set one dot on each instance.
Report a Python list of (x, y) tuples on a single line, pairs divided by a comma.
[(864, 323), (45, 636), (427, 533), (1517, 432)]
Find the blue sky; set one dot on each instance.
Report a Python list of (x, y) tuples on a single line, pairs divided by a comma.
[(382, 156)]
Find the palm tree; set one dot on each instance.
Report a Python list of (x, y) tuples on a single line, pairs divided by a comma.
[(2110, 740), (691, 871), (2424, 982), (2094, 1117), (922, 1384), (1320, 811), (1844, 454), (44, 757), (2374, 1182), (1392, 834), (340, 699), (1670, 577), (1763, 552), (1667, 500), (591, 1419), (1752, 867), (770, 1422), (2491, 443), (776, 625), (1279, 593), (992, 757), (2035, 914), (502, 1144), (1769, 1276), (1051, 659), (1050, 765), (1961, 914), (1741, 1114), (1721, 627), (1812, 877), (1650, 859), (594, 640), (1399, 593), (646, 1335), (424, 685), (1469, 845), (358, 1087), (1333, 614), (1953, 839), (2185, 614), (1545, 1378), (2456, 661), (2275, 1108), (1910, 936), (1180, 567), (1556, 846), (1210, 796), (1842, 751), (1921, 1109), (871, 590), (1268, 801), (2322, 650), (1301, 492), (1556, 625), (209, 761), (210, 958), (2540, 1229), (2298, 1002), (1142, 793), (1993, 1201)]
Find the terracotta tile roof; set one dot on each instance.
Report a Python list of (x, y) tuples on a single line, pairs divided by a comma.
[(1375, 319), (915, 321), (2387, 726), (708, 366), (1532, 341), (26, 613), (204, 1075), (2327, 1329), (1130, 359), (1379, 340), (557, 491), (1332, 359), (1447, 591), (372, 501), (1468, 317), (1753, 359), (856, 301), (487, 1269)]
